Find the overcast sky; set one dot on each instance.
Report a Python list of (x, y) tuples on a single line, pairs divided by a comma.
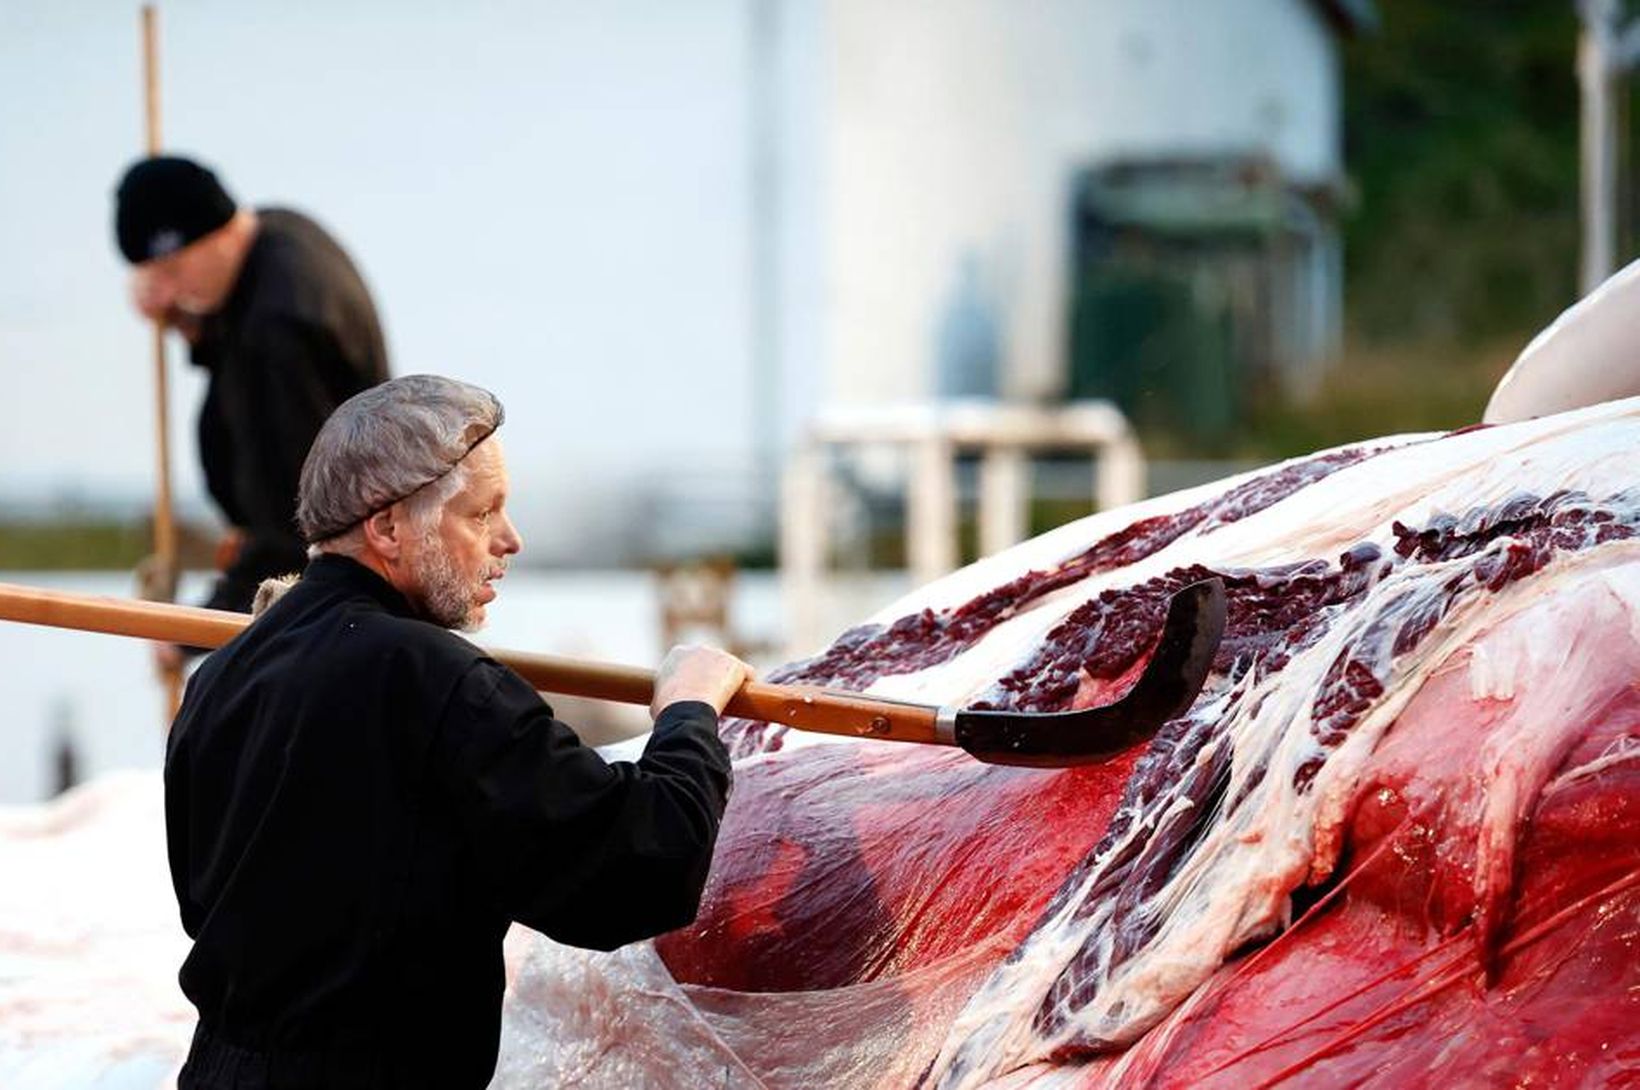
[(547, 198)]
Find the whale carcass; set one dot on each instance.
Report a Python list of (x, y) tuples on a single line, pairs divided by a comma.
[(1395, 842)]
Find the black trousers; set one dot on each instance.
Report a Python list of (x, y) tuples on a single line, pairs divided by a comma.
[(217, 1064)]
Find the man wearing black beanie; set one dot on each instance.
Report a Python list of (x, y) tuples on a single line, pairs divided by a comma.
[(275, 311)]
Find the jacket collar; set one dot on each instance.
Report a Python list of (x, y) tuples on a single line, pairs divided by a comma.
[(346, 575)]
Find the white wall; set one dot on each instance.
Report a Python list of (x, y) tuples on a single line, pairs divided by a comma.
[(957, 128)]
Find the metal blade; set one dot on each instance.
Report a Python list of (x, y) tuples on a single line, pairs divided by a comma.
[(1165, 689)]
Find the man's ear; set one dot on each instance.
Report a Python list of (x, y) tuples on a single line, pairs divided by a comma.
[(384, 533)]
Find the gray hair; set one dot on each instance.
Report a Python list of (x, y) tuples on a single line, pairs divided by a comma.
[(387, 444)]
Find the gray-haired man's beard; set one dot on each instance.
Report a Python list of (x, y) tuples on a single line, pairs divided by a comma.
[(445, 595)]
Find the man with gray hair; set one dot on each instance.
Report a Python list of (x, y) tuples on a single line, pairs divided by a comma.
[(358, 802)]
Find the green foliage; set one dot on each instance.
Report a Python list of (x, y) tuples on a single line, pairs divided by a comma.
[(77, 541), (1461, 134), (1407, 388), (1462, 144), (64, 546)]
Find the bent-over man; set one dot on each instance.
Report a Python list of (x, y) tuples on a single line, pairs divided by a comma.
[(358, 801), (278, 316)]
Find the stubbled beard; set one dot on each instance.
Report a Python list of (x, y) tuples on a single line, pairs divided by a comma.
[(447, 597)]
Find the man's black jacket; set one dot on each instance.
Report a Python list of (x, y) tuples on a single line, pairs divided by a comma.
[(358, 802), (296, 337)]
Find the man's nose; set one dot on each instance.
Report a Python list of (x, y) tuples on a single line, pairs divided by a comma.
[(508, 540)]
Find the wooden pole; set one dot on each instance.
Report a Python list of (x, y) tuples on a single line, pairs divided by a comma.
[(1598, 130), (165, 537), (802, 706), (1608, 49)]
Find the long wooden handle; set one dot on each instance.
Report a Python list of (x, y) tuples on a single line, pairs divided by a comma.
[(165, 536), (802, 707)]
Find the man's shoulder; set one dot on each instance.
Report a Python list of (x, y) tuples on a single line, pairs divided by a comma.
[(316, 657), (424, 657), (288, 226), (352, 629), (363, 625), (300, 269), (293, 242)]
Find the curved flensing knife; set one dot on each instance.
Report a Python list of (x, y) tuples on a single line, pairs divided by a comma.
[(1166, 687)]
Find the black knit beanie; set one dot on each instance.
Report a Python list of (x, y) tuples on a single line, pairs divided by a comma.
[(165, 203)]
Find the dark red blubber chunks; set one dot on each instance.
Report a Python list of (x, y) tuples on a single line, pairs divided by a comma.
[(920, 640)]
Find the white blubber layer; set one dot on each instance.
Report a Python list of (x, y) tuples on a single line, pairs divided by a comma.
[(1235, 885), (90, 942)]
